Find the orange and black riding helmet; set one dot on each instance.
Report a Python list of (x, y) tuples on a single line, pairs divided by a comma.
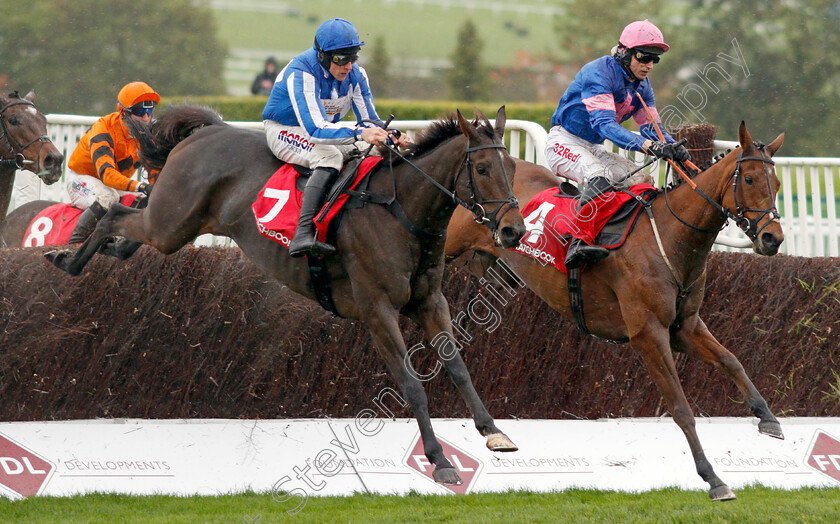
[(134, 93)]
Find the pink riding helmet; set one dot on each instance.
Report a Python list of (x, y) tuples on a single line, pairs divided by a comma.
[(642, 33)]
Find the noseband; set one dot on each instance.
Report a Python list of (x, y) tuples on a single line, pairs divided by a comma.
[(18, 160), (748, 225)]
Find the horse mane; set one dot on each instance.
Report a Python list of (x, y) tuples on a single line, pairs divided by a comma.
[(158, 139), (434, 135), (678, 180)]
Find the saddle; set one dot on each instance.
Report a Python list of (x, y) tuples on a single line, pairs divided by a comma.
[(277, 210), (552, 222)]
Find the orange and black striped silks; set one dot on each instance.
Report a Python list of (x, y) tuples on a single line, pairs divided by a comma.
[(108, 153)]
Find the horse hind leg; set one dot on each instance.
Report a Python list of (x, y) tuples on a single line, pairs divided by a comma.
[(698, 342), (652, 344), (119, 220)]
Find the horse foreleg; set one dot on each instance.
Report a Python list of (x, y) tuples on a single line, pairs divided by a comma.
[(122, 249), (653, 345), (433, 317), (695, 339), (384, 327), (119, 220)]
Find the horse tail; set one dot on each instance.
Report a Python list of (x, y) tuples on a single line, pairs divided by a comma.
[(157, 140)]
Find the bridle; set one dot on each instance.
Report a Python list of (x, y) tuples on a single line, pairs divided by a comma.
[(748, 225), (476, 203), (18, 160)]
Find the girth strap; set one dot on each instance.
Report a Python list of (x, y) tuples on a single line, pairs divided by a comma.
[(576, 303)]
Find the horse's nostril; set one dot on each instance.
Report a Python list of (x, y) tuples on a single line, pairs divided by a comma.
[(53, 160), (512, 235), (769, 240)]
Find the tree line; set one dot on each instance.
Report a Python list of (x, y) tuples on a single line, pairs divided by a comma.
[(768, 63)]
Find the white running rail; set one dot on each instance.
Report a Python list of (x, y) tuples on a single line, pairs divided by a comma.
[(809, 200)]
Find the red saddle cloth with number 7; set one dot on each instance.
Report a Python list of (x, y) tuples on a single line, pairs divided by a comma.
[(552, 220), (277, 207)]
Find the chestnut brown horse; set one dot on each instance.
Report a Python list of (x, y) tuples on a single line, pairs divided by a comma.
[(650, 295), (24, 144), (213, 173)]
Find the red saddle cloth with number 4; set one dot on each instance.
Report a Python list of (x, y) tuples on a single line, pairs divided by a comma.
[(552, 220), (277, 207), (54, 225)]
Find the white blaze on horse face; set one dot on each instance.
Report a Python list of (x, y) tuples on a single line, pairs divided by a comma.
[(32, 111)]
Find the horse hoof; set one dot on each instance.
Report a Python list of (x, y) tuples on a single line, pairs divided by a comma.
[(447, 476), (772, 428), (58, 258), (721, 493), (500, 442)]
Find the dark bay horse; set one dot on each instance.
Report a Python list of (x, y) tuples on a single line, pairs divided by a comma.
[(213, 172), (24, 144), (638, 293)]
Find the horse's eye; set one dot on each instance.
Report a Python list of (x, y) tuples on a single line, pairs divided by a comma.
[(14, 121), (481, 170), (749, 180)]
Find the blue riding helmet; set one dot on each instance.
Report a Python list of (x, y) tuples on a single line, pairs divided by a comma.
[(335, 34)]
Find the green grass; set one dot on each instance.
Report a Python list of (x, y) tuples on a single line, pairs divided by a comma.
[(406, 27), (754, 504)]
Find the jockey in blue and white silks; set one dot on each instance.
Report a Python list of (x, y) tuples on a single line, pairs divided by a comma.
[(308, 99), (605, 93), (312, 93)]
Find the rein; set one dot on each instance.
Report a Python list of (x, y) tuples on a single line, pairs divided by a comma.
[(476, 205), (748, 225), (18, 160)]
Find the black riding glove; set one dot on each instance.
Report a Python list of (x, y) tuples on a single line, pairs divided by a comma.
[(145, 188), (681, 153), (671, 151)]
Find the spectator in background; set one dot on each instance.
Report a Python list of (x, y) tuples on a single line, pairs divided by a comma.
[(265, 81)]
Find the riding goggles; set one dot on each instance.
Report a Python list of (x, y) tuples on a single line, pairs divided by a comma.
[(343, 59), (646, 58), (142, 108)]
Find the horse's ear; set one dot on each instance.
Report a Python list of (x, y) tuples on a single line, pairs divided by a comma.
[(744, 137), (501, 118), (30, 96), (466, 127), (774, 146)]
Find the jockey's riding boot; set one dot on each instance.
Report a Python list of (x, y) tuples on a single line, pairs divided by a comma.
[(87, 223), (581, 253), (304, 241), (596, 186)]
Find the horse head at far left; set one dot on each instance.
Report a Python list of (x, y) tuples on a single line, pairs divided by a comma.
[(487, 163), (24, 143)]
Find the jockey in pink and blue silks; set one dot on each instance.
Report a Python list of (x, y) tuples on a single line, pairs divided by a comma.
[(601, 97), (310, 96)]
